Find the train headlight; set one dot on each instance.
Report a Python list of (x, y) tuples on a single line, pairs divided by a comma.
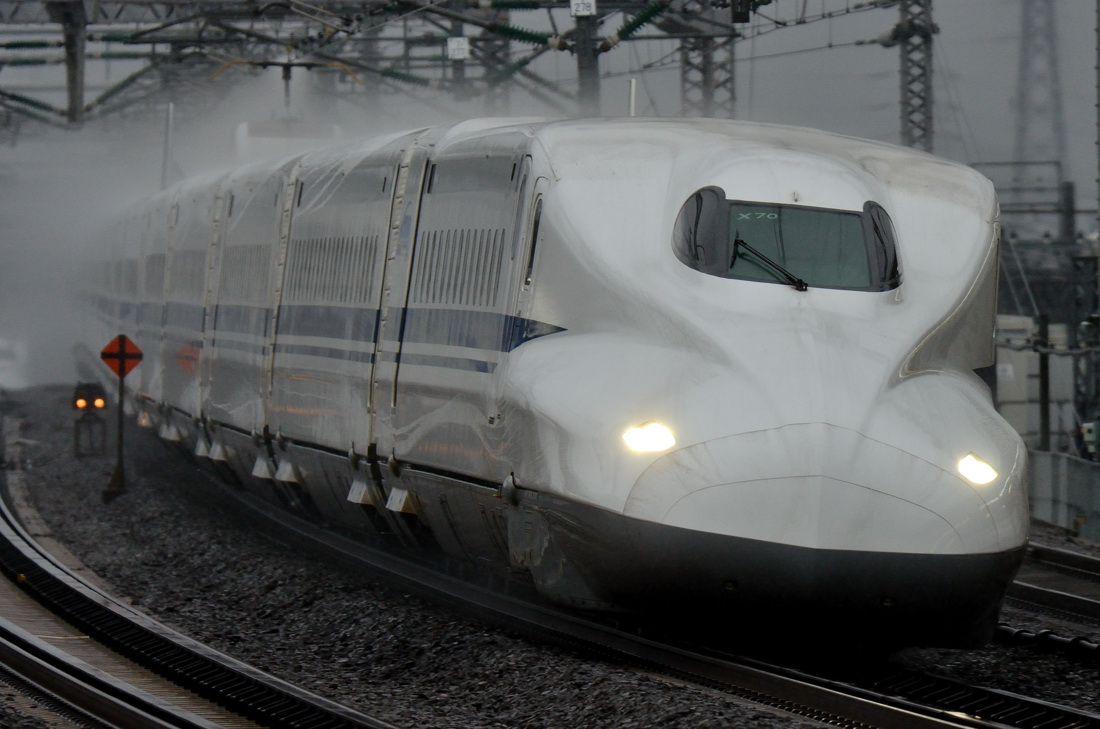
[(649, 437), (975, 470)]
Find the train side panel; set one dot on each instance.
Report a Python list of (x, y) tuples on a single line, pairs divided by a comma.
[(457, 324), (193, 228), (238, 315), (149, 383), (329, 306)]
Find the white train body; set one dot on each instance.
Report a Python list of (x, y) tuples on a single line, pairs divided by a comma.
[(444, 336)]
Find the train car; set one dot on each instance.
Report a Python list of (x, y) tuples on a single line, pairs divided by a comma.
[(664, 367)]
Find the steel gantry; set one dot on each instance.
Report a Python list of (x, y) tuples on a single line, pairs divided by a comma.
[(471, 50), (467, 48)]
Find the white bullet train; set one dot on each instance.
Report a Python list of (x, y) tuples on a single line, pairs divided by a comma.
[(682, 367)]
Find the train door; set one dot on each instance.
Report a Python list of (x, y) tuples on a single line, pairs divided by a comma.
[(400, 243), (193, 225), (331, 297), (235, 373), (456, 322), (522, 327), (151, 311)]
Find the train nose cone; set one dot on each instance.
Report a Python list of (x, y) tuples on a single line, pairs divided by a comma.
[(824, 487)]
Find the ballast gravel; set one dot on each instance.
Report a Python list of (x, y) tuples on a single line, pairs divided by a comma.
[(344, 636), (367, 644)]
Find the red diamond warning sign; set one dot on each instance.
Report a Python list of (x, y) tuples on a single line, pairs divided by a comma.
[(121, 355)]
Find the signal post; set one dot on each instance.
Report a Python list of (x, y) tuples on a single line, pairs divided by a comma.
[(122, 356)]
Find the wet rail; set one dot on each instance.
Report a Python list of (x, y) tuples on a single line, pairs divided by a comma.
[(1059, 579), (910, 700), (93, 695), (1063, 583)]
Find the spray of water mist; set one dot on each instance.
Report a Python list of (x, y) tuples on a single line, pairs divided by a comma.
[(60, 187)]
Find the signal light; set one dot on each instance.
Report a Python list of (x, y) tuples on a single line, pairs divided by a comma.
[(89, 393)]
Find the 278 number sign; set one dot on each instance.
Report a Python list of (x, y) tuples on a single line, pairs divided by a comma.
[(582, 8)]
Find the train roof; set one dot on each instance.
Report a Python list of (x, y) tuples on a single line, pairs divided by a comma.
[(618, 147)]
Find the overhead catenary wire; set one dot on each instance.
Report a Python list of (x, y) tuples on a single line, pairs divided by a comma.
[(1023, 276), (972, 150)]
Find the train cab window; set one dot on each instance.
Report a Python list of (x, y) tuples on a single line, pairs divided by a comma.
[(758, 241)]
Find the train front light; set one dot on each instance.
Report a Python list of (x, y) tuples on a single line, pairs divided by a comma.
[(649, 437), (975, 470)]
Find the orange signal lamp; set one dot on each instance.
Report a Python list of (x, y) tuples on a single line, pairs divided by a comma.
[(87, 395)]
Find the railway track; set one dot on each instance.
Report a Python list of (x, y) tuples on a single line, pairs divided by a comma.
[(899, 699), (100, 689), (894, 699), (1061, 583), (1060, 579)]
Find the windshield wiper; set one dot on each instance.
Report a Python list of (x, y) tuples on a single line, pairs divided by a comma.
[(790, 278)]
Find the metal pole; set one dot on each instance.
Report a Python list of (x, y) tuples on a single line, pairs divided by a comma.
[(1091, 357), (286, 90), (588, 65), (458, 66), (117, 484), (121, 420), (1044, 384), (74, 30), (167, 146), (1067, 201)]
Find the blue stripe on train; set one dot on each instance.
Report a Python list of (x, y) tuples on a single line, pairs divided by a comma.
[(485, 330)]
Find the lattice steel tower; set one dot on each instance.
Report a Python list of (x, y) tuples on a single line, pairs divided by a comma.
[(914, 33), (1040, 126), (707, 68)]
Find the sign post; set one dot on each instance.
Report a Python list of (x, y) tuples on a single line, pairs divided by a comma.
[(121, 355)]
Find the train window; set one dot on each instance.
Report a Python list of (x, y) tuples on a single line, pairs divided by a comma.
[(534, 242), (757, 241), (517, 217), (471, 174)]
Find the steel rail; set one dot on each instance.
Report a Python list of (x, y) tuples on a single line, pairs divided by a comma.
[(1064, 558), (839, 702), (94, 698), (1070, 592), (1060, 594), (209, 673)]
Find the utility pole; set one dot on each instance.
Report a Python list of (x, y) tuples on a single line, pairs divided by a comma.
[(74, 26), (588, 64)]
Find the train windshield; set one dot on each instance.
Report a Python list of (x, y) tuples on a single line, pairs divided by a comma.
[(789, 244)]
